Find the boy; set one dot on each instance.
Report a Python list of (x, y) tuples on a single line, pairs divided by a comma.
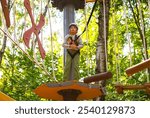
[(73, 44)]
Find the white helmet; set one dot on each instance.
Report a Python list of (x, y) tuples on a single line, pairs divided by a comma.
[(73, 24)]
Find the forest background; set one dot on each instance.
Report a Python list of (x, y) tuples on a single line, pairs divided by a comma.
[(19, 76)]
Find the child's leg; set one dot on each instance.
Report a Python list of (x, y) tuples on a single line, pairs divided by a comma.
[(67, 67), (76, 67)]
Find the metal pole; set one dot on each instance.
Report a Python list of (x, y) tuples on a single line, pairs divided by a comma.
[(69, 17)]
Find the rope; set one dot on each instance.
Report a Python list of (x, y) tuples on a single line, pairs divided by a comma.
[(116, 48), (41, 5), (105, 37), (44, 13), (41, 30), (117, 58), (127, 31), (144, 39), (89, 18), (34, 41), (127, 34), (87, 42), (149, 5), (46, 8), (42, 41), (142, 26), (51, 38), (14, 24)]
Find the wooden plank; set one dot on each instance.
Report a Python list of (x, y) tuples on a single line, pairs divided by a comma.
[(4, 97), (120, 88), (6, 12), (130, 87), (133, 87), (98, 77), (138, 67)]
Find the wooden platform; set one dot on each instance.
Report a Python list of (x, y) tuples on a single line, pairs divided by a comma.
[(55, 91), (4, 97)]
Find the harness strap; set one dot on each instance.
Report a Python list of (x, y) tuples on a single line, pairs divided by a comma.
[(75, 41)]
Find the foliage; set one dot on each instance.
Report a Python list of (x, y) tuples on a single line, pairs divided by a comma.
[(19, 76)]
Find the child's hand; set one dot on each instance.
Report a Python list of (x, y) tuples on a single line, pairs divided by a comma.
[(73, 47)]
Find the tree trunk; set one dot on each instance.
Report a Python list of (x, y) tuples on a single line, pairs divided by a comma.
[(101, 48), (141, 31), (4, 40)]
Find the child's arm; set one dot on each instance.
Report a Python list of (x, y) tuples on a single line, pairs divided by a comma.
[(80, 44), (66, 44), (75, 47)]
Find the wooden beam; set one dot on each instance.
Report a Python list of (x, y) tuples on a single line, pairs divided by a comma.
[(133, 87), (4, 97), (98, 77), (6, 12), (138, 67), (120, 88)]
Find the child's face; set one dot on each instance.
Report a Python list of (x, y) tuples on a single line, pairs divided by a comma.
[(73, 30)]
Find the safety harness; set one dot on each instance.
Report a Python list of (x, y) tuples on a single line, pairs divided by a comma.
[(71, 52)]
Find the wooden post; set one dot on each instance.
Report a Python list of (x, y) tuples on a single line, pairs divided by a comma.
[(69, 94)]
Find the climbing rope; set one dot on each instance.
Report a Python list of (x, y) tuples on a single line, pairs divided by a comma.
[(89, 18), (53, 73), (149, 5), (46, 7), (34, 41), (115, 38), (14, 37), (87, 41), (142, 27), (51, 38), (127, 32)]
